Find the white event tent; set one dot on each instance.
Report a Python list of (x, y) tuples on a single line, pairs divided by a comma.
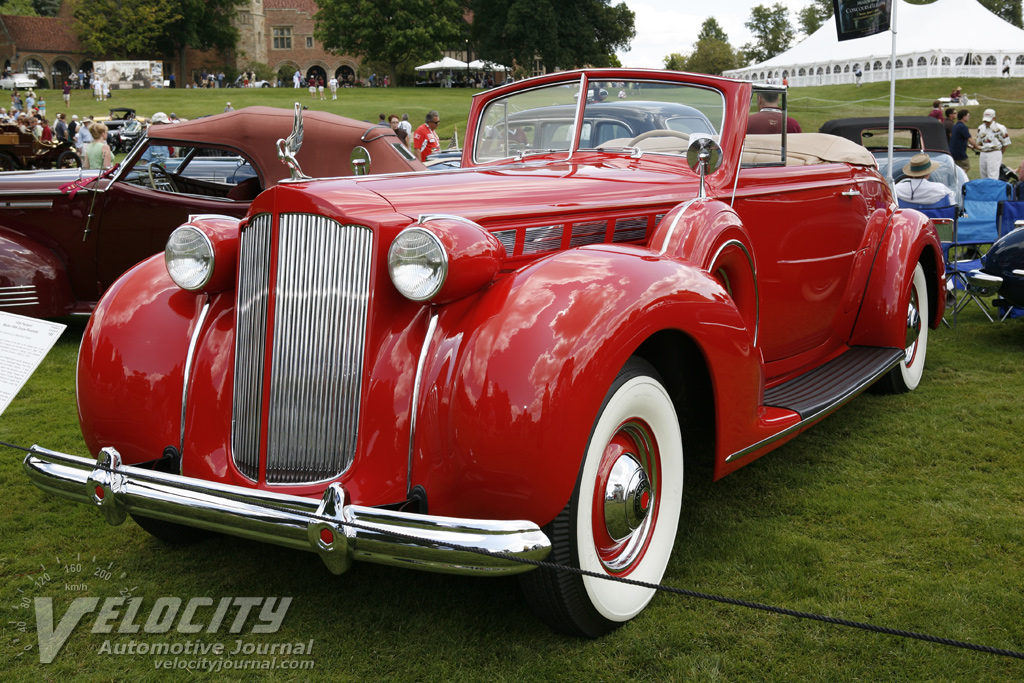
[(945, 39), (442, 65)]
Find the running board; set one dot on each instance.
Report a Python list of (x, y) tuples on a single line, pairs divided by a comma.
[(826, 388)]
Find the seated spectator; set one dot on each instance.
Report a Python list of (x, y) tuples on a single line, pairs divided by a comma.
[(768, 119), (916, 187)]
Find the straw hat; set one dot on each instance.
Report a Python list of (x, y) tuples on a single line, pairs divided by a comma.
[(920, 166)]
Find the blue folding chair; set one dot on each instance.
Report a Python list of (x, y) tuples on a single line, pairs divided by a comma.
[(1008, 213), (978, 224)]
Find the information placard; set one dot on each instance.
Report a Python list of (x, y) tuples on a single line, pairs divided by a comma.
[(24, 343)]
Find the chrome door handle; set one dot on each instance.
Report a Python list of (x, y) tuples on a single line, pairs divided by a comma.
[(851, 193)]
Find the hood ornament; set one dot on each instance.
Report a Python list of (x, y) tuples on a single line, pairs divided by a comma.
[(289, 147)]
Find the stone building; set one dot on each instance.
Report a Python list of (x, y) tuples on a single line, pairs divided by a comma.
[(278, 33)]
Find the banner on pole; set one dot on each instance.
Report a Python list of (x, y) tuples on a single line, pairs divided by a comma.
[(859, 18)]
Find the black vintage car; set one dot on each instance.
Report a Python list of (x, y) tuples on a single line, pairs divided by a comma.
[(1002, 268), (911, 135), (20, 150), (124, 130)]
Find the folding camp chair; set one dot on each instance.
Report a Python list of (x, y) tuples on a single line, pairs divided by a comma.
[(976, 228), (978, 224)]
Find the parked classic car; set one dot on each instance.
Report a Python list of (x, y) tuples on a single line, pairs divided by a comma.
[(21, 150), (66, 236), (1002, 270), (521, 355), (124, 129), (16, 81), (911, 135)]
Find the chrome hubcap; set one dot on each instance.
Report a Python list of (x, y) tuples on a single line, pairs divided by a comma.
[(624, 501), (913, 326), (627, 497)]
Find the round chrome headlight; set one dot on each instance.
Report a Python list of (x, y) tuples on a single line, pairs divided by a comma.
[(417, 263), (189, 257)]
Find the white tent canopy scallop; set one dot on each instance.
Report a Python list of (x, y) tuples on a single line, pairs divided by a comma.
[(944, 39)]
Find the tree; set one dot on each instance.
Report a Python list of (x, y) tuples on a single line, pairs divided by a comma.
[(46, 8), (1009, 10), (814, 15), (23, 8), (564, 34), (712, 56), (122, 28), (710, 30), (391, 31), (675, 62), (772, 32), (199, 25)]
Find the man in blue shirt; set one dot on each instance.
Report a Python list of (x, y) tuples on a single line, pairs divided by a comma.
[(960, 139)]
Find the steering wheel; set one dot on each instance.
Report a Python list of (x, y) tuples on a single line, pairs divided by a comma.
[(658, 133), (155, 170)]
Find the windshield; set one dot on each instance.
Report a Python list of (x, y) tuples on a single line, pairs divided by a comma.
[(654, 116)]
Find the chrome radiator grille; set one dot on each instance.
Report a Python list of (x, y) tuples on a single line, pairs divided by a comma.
[(320, 303)]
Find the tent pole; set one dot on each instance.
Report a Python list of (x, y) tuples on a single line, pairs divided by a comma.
[(892, 97)]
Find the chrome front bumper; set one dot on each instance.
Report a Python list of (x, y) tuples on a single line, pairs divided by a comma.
[(403, 539)]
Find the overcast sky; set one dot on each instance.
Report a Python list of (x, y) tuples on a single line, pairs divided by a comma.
[(667, 26)]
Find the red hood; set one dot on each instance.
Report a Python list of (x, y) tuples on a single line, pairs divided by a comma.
[(524, 191)]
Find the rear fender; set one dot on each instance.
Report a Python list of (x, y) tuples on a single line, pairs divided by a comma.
[(33, 281), (882, 320), (514, 378)]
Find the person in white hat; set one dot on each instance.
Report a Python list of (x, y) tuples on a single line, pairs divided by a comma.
[(157, 154), (993, 140), (917, 187)]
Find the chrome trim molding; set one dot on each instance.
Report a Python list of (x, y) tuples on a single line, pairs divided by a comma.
[(26, 204), (18, 295), (320, 526), (417, 382), (672, 228), (187, 376), (588, 232), (543, 238)]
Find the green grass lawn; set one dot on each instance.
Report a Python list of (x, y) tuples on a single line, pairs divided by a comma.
[(902, 511)]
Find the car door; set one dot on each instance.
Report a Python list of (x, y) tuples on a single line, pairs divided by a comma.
[(809, 226)]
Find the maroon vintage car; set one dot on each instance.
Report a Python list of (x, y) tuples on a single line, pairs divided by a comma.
[(65, 236), (521, 355), (20, 150)]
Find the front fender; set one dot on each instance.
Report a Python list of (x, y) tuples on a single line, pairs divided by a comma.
[(516, 377), (882, 320), (131, 364), (33, 281)]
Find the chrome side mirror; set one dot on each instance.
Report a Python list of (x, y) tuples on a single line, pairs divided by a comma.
[(704, 156), (360, 159)]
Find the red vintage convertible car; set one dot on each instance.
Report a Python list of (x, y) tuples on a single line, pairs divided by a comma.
[(65, 236), (522, 355)]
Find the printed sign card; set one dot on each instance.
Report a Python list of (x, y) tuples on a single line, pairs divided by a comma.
[(24, 343)]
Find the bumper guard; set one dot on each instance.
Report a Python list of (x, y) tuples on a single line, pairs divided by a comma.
[(402, 539)]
